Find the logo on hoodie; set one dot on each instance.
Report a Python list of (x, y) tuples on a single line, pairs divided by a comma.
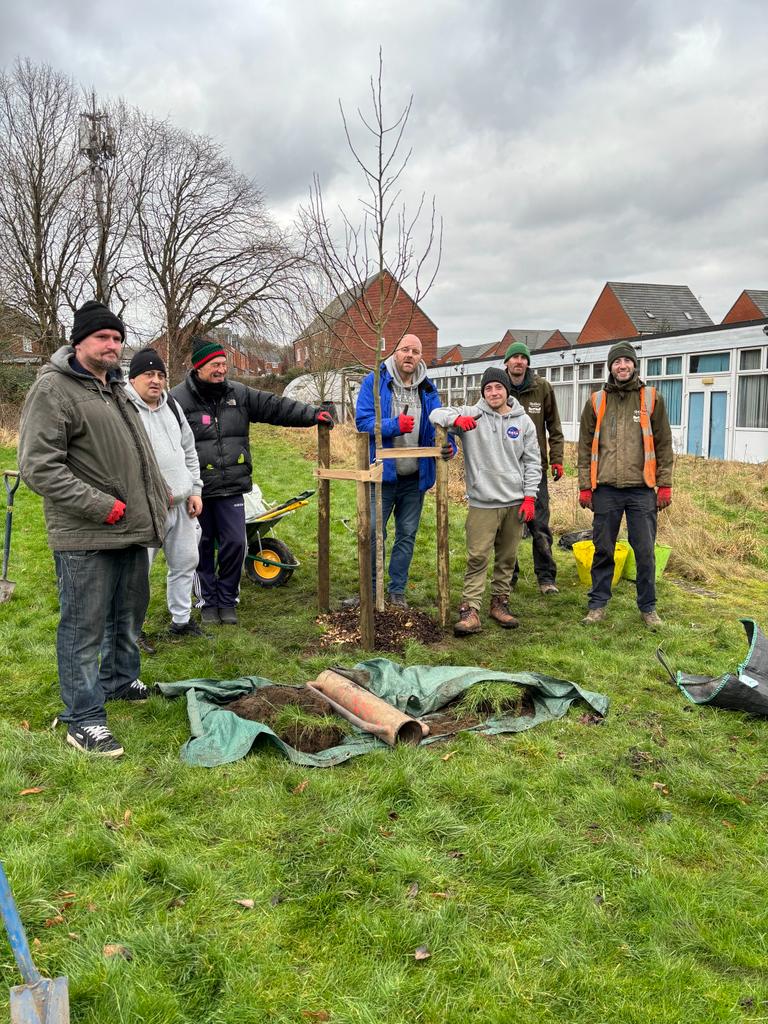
[(513, 432)]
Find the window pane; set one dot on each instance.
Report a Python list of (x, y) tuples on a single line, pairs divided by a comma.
[(710, 362), (674, 365), (750, 359), (653, 367), (567, 373), (555, 373), (584, 371), (752, 410), (672, 393), (598, 371), (585, 390), (564, 399)]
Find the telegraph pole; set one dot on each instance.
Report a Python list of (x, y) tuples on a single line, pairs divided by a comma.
[(97, 143)]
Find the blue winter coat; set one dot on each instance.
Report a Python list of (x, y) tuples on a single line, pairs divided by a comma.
[(365, 420)]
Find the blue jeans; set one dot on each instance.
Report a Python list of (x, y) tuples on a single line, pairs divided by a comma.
[(406, 500), (609, 505), (103, 597)]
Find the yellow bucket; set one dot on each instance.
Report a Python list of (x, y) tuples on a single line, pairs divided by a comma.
[(584, 552), (663, 552)]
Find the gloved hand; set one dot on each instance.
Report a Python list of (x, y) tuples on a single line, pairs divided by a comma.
[(405, 423), (664, 497), (585, 497), (447, 452), (465, 422), (324, 417), (118, 511), (527, 510), (557, 471)]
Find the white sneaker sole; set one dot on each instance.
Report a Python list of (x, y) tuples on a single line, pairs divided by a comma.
[(118, 752)]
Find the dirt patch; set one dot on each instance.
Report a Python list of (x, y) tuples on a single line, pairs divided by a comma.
[(394, 627), (452, 718), (311, 729)]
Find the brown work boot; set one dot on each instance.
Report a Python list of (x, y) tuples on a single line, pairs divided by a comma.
[(501, 613), (651, 619), (593, 616), (468, 622)]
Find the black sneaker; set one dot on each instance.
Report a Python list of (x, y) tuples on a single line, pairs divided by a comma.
[(144, 644), (94, 739), (210, 615), (179, 630), (132, 691)]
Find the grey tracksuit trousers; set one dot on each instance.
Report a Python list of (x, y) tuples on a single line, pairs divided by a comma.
[(180, 548)]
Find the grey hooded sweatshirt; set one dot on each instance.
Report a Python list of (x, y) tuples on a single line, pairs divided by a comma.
[(406, 395), (502, 460), (173, 444)]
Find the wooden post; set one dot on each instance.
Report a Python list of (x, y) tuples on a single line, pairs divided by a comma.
[(441, 511), (323, 522), (367, 628)]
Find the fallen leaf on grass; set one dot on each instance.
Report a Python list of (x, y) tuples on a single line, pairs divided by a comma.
[(127, 817), (385, 833), (113, 949), (413, 891), (51, 922), (422, 953), (31, 790), (316, 1014), (561, 755), (248, 904), (24, 725), (179, 901), (727, 824), (393, 815), (36, 942), (449, 755), (455, 854), (661, 788), (440, 895), (298, 790), (73, 935), (276, 898)]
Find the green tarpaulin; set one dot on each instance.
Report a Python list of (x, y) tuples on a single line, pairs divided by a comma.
[(219, 736)]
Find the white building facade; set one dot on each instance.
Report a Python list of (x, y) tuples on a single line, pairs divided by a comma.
[(714, 382)]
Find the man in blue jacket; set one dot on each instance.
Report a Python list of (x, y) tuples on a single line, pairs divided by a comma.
[(407, 399)]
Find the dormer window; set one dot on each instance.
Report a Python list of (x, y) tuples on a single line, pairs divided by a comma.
[(687, 315)]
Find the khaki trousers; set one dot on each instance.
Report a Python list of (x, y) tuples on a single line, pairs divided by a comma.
[(486, 528)]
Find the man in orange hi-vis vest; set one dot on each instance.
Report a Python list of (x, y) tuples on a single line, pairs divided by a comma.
[(625, 469)]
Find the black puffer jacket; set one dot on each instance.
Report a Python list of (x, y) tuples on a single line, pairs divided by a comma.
[(221, 426)]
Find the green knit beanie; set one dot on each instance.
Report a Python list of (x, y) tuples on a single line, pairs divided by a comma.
[(517, 348), (203, 350), (622, 348)]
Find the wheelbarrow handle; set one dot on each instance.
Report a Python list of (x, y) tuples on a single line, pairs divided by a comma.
[(16, 934)]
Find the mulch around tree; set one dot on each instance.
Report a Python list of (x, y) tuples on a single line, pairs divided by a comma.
[(266, 704), (394, 627)]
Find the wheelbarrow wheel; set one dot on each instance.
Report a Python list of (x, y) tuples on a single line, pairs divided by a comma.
[(270, 573)]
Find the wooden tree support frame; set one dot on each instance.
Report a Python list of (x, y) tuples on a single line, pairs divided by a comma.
[(363, 476)]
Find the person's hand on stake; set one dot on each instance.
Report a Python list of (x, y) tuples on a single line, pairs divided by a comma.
[(446, 452), (324, 417)]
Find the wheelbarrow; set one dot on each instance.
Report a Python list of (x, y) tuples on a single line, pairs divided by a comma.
[(269, 562), (6, 586), (39, 1000)]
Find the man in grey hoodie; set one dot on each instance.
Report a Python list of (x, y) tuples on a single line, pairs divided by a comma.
[(502, 464), (173, 443)]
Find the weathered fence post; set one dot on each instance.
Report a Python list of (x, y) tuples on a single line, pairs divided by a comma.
[(441, 514), (367, 629), (323, 522)]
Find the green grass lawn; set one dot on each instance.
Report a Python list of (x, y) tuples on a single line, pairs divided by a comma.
[(576, 873)]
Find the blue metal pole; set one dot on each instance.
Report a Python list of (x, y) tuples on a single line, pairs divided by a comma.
[(16, 934)]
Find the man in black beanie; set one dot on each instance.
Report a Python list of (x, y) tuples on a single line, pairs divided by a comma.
[(82, 447)]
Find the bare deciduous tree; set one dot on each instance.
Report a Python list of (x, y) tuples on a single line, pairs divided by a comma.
[(382, 240)]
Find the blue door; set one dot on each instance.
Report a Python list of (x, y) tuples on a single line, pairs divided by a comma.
[(695, 423), (718, 405)]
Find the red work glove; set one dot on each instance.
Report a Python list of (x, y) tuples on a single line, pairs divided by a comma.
[(325, 418), (118, 511), (446, 452), (405, 423), (585, 498), (465, 422), (664, 497), (527, 510), (557, 471)]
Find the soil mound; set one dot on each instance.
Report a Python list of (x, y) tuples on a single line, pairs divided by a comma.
[(454, 716), (394, 628), (311, 728)]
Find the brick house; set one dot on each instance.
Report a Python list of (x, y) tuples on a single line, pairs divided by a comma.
[(342, 334), (18, 337), (752, 304), (630, 310)]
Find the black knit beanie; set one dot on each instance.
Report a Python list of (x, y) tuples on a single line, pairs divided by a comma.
[(621, 348), (146, 359), (92, 317), (497, 376), (203, 350)]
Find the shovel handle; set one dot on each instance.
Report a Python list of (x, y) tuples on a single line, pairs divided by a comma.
[(10, 491), (16, 934)]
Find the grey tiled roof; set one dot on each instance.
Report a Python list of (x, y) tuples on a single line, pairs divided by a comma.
[(534, 339), (760, 299), (672, 307)]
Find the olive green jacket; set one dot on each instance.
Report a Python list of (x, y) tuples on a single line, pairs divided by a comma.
[(538, 399), (82, 446), (620, 453)]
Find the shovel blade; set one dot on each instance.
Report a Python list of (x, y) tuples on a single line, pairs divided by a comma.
[(44, 1003), (6, 589)]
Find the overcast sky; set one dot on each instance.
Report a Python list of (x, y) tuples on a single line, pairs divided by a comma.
[(567, 142)]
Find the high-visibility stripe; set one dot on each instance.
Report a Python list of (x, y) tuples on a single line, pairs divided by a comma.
[(647, 405)]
